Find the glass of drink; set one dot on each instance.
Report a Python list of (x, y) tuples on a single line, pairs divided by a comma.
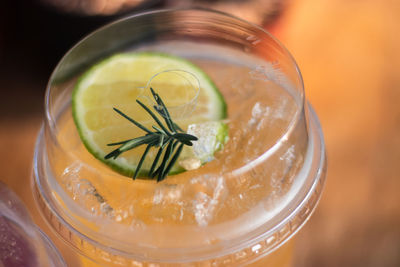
[(241, 208), (22, 243)]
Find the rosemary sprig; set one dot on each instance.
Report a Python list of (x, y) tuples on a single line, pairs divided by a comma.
[(169, 140)]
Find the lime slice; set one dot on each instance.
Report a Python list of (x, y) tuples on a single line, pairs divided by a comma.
[(118, 82)]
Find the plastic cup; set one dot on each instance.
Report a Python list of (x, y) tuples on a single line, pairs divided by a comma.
[(281, 186)]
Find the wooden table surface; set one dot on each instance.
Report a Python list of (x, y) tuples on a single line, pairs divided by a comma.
[(348, 54)]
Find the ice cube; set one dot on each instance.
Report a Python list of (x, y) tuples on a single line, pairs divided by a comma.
[(211, 192)]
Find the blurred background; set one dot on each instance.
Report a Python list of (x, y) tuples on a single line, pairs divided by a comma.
[(348, 52)]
